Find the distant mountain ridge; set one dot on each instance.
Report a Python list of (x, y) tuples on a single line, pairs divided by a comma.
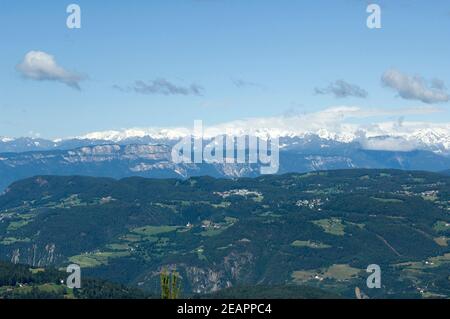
[(154, 160), (400, 136), (147, 153), (389, 137)]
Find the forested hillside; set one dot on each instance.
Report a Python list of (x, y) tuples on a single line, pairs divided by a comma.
[(318, 229), (23, 282)]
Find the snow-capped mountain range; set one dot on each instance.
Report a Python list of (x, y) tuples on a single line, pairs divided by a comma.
[(328, 139), (390, 136), (147, 152), (379, 138), (343, 124)]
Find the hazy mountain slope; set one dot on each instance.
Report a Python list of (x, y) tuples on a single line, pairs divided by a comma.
[(154, 161)]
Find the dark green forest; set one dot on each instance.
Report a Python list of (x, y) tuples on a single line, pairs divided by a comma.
[(19, 281), (224, 237)]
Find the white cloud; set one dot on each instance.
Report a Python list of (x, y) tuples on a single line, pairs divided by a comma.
[(41, 66), (416, 87), (386, 143)]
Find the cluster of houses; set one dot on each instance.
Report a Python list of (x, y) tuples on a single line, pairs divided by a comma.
[(206, 224), (238, 192), (432, 193), (311, 203)]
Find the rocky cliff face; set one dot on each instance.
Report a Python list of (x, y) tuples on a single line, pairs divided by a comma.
[(154, 160), (232, 270)]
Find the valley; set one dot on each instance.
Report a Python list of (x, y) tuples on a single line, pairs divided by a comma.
[(318, 229)]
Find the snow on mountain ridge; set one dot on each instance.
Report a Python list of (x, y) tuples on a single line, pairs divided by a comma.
[(428, 135), (407, 136), (379, 136), (117, 136)]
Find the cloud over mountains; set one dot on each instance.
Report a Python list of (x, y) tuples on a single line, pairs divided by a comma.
[(41, 66), (335, 123), (415, 87)]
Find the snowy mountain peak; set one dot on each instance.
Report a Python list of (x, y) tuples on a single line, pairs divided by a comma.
[(392, 136), (118, 136)]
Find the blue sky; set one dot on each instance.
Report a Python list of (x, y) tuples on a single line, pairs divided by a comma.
[(248, 58)]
